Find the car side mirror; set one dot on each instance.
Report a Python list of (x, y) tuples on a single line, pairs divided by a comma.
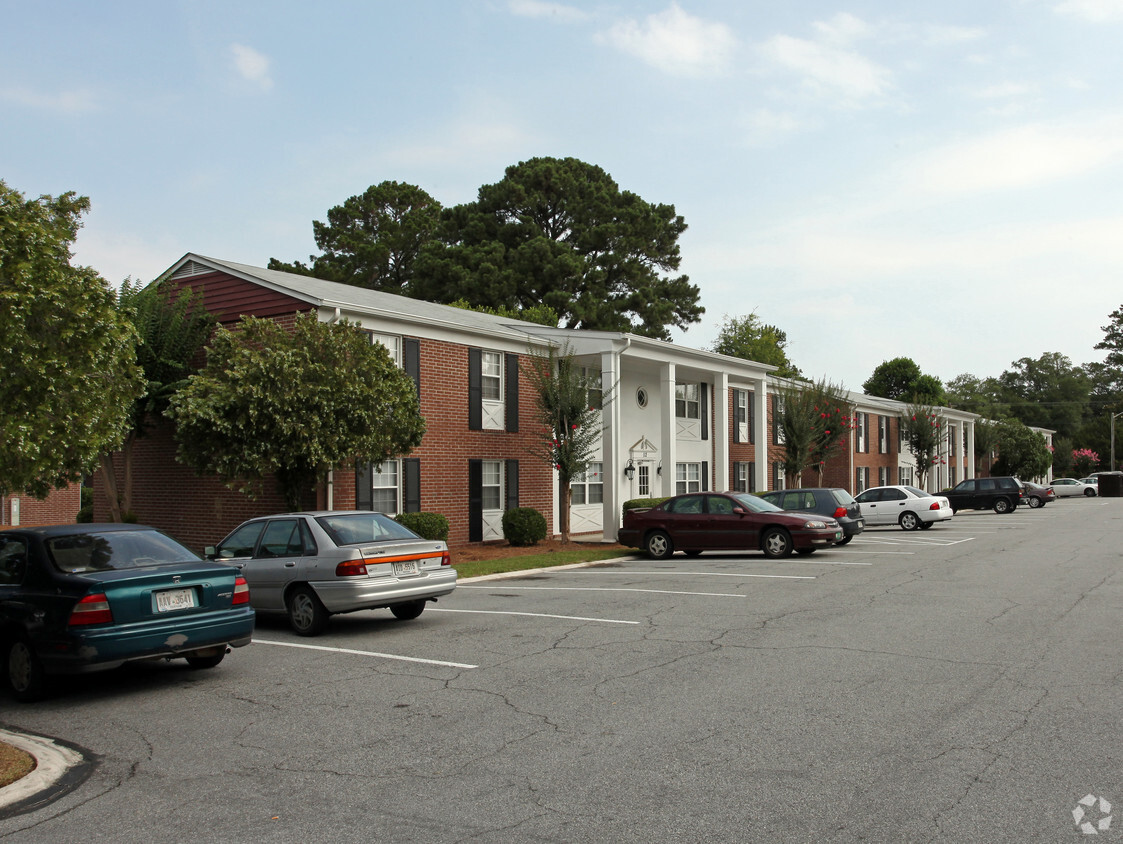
[(209, 552), (739, 511)]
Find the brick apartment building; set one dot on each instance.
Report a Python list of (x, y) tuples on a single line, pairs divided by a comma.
[(675, 419)]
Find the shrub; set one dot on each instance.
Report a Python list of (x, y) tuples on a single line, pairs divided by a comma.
[(425, 525), (642, 503), (524, 526)]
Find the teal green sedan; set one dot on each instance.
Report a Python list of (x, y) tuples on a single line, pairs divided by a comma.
[(81, 598)]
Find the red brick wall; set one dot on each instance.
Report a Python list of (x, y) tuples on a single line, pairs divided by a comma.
[(59, 507)]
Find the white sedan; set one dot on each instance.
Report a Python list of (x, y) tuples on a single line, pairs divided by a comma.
[(1065, 487), (907, 506)]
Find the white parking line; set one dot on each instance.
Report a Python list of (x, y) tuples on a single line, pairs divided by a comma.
[(699, 573), (608, 589), (364, 653), (538, 615)]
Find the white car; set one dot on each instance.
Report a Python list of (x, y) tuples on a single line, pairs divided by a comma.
[(907, 506), (1066, 487)]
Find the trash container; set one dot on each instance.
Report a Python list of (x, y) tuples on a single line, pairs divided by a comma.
[(1111, 484)]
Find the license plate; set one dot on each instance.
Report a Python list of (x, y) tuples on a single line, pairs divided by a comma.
[(860, 523), (837, 535), (406, 568), (175, 599)]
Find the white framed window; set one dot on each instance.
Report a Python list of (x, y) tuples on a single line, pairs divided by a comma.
[(393, 344), (644, 480), (741, 415), (688, 478), (882, 475), (860, 419), (385, 487), (492, 474), (591, 378), (861, 479), (883, 434), (779, 479), (905, 474), (777, 415), (688, 401), (741, 477), (588, 487), (491, 380)]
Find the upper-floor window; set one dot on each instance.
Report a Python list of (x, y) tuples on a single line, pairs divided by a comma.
[(861, 421), (491, 383), (591, 378), (740, 416), (493, 391), (688, 401), (882, 434), (393, 345)]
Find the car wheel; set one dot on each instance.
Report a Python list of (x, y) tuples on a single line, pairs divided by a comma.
[(803, 552), (776, 543), (1090, 493), (25, 672), (307, 615), (926, 525), (1002, 505), (909, 521), (408, 609), (659, 545), (1034, 503), (206, 661), (845, 540)]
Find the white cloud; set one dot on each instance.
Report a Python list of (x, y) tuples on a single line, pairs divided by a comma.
[(675, 42), (828, 70), (550, 11), (252, 66), (1002, 90), (1017, 158), (1095, 11), (78, 101)]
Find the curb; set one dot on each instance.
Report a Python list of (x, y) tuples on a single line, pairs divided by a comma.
[(59, 768)]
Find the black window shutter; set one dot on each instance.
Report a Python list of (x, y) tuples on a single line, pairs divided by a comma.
[(475, 501), (704, 411), (705, 476), (475, 391), (752, 477), (866, 435), (363, 496), (512, 398), (411, 485), (775, 422), (512, 483), (752, 418), (411, 360)]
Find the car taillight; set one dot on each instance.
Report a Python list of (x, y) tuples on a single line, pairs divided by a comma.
[(241, 591), (446, 558), (93, 609), (839, 512), (350, 568), (935, 505)]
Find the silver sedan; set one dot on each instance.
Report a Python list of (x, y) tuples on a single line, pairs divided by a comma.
[(1070, 487), (312, 565)]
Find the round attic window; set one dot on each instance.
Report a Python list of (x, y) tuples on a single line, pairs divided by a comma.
[(641, 397)]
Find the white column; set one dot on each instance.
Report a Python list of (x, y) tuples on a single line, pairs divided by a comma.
[(615, 484), (721, 432), (763, 434), (970, 428), (667, 430)]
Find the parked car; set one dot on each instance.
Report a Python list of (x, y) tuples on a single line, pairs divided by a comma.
[(1036, 495), (1070, 487), (1092, 480), (907, 506), (312, 565), (89, 597), (1001, 494), (828, 501), (715, 521)]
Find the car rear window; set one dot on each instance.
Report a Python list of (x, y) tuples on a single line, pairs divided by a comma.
[(842, 497), (360, 528), (80, 553)]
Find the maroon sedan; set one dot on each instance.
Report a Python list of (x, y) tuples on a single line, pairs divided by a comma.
[(716, 521)]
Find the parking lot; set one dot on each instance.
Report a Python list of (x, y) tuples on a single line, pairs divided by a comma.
[(955, 684)]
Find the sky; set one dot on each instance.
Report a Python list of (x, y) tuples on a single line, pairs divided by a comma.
[(940, 181)]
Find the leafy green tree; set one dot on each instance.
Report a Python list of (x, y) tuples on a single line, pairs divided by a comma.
[(976, 395), (570, 419), (68, 372), (902, 379), (816, 421), (1062, 457), (986, 442), (748, 338), (561, 233), (1047, 392), (293, 404), (923, 430), (1021, 451), (540, 314), (372, 240), (171, 335)]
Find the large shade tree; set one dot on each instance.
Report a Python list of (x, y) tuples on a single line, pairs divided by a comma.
[(561, 232), (171, 333), (902, 379), (293, 404), (68, 372), (748, 338), (569, 401), (373, 239), (815, 423), (1021, 451)]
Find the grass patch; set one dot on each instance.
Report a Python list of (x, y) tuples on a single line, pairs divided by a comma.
[(14, 764), (476, 568)]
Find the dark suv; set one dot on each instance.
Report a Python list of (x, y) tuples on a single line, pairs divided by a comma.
[(1000, 494), (827, 501)]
